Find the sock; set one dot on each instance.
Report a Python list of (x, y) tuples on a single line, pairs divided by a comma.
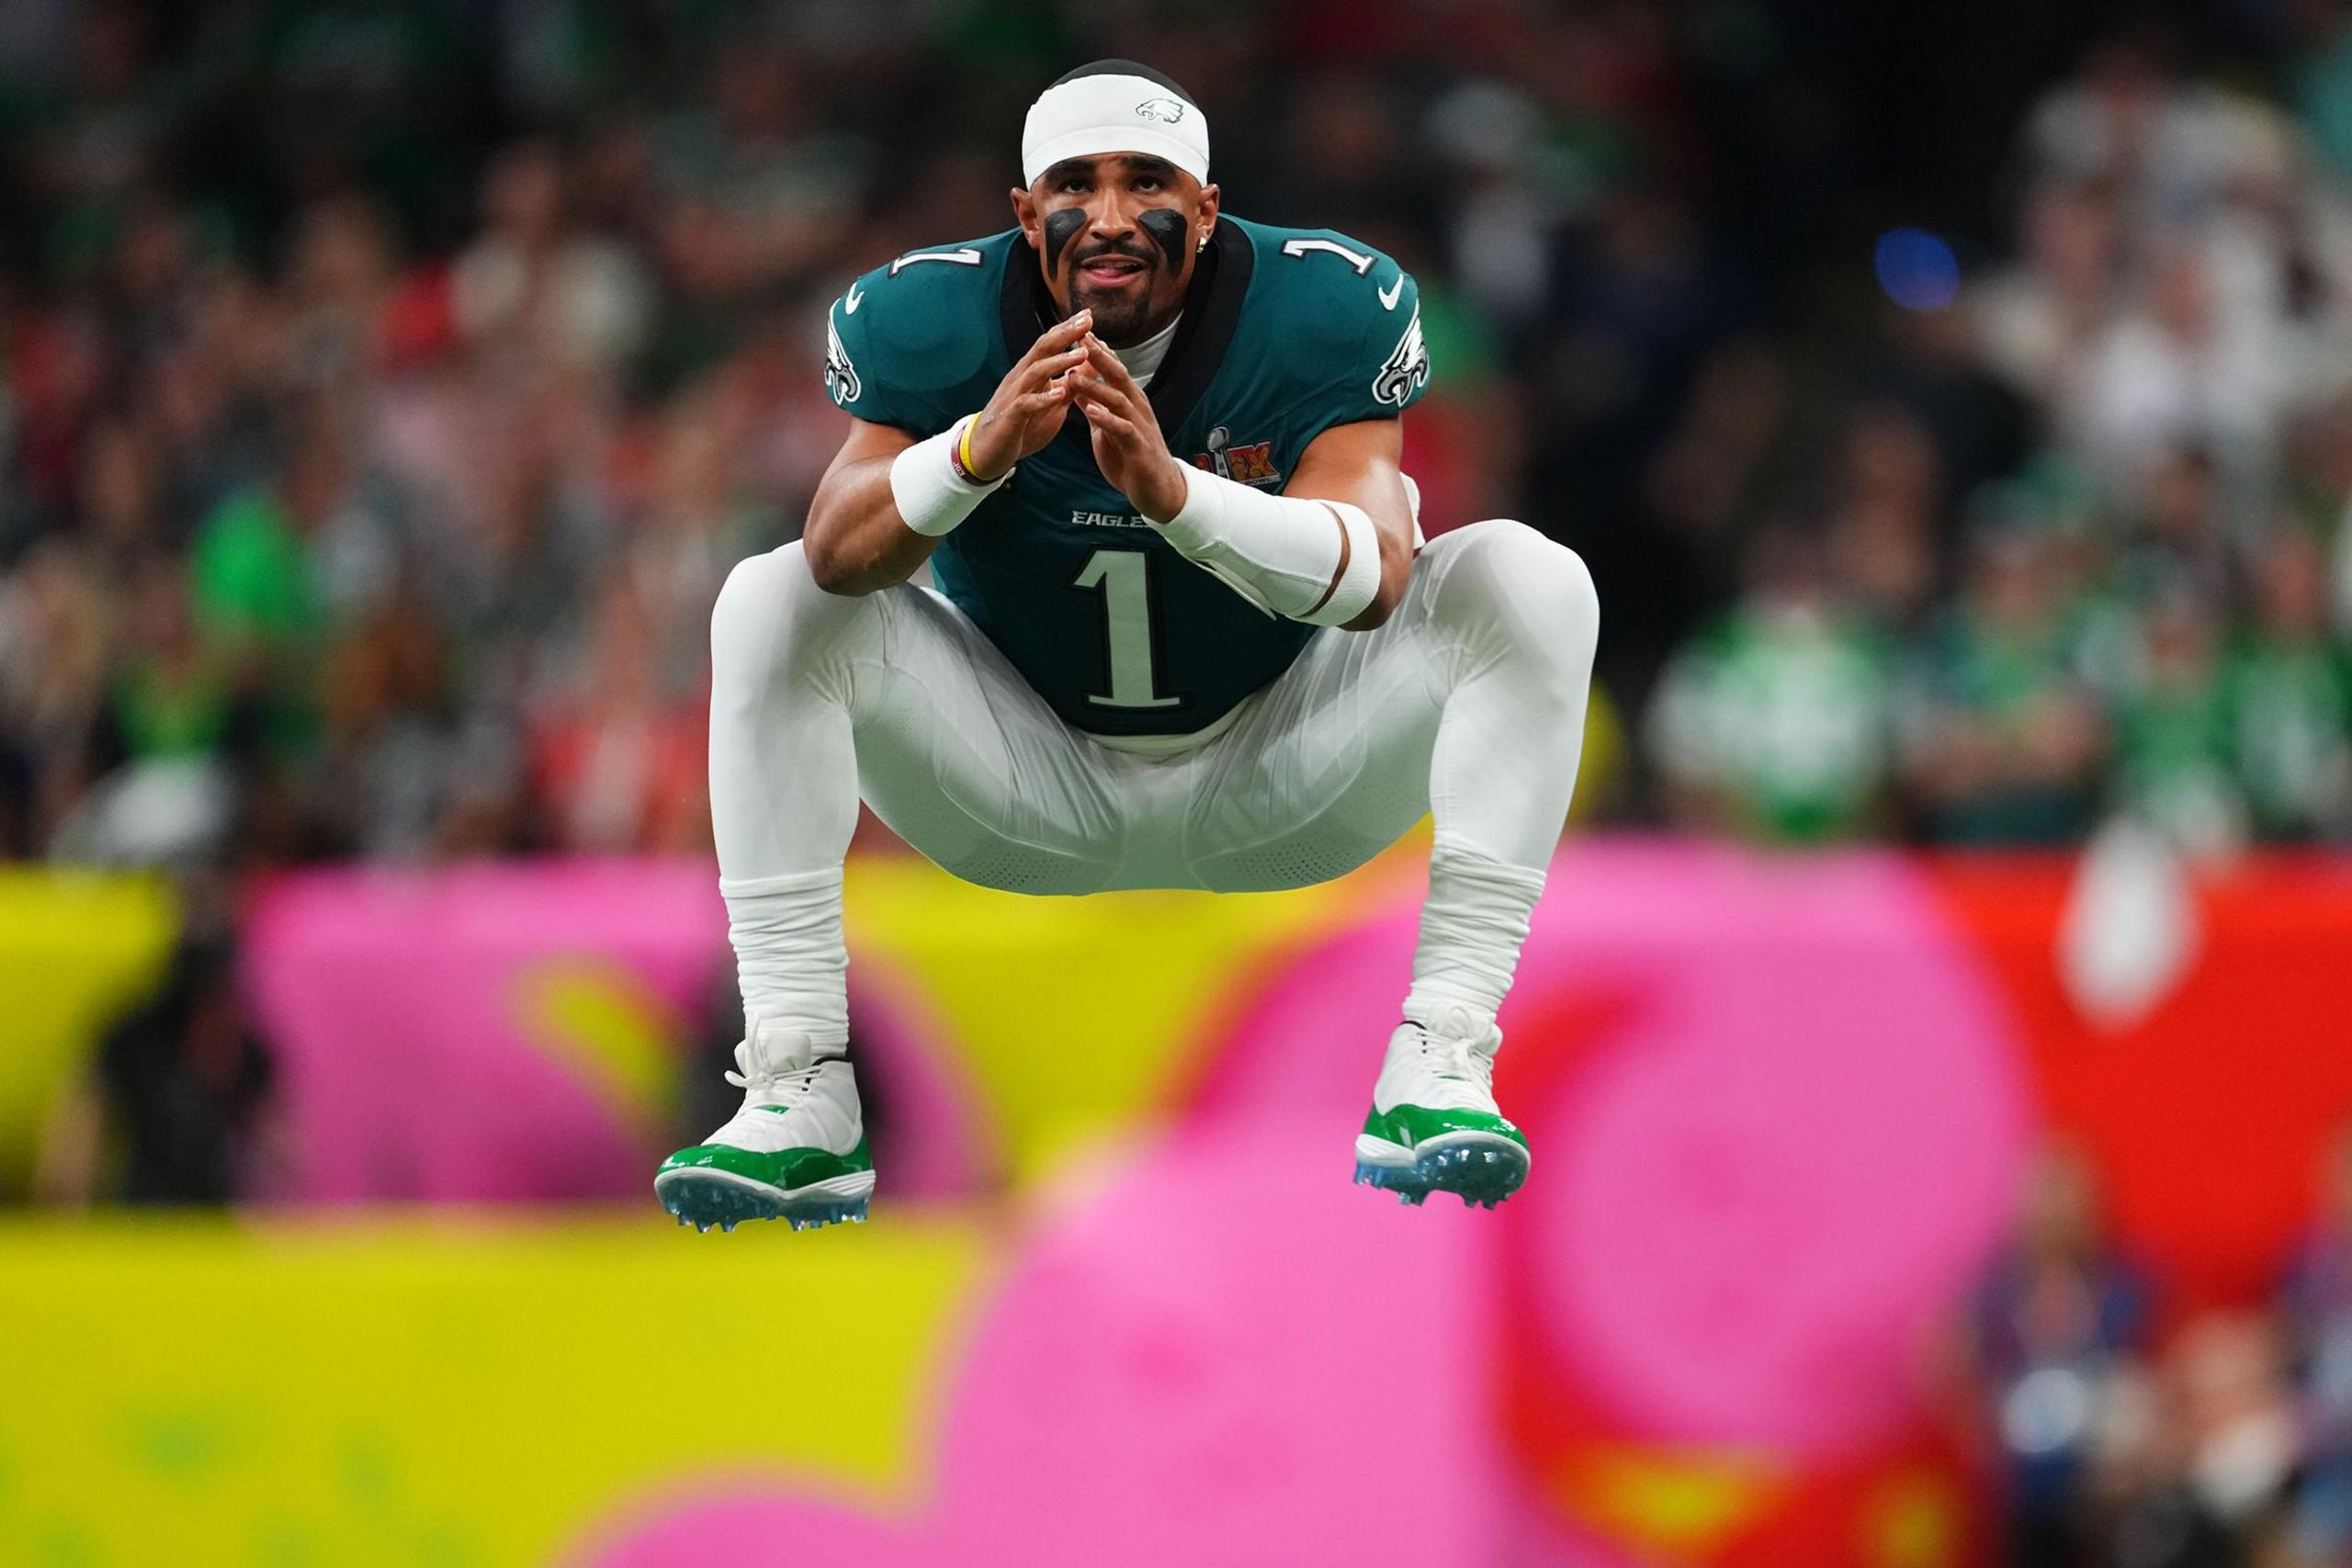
[(1473, 925), (789, 957)]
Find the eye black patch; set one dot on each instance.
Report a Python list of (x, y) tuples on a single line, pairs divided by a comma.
[(1171, 230), (1061, 228)]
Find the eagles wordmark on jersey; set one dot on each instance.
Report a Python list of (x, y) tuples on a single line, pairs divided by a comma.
[(1285, 332)]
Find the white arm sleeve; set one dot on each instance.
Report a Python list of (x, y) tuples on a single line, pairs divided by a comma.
[(1280, 552), (932, 497)]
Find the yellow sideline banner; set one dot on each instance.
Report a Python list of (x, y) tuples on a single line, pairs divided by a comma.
[(73, 950), (1058, 1023), (1074, 1018), (454, 1391)]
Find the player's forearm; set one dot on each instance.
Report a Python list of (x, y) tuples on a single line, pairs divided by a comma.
[(1304, 558), (875, 520), (856, 541), (1324, 560)]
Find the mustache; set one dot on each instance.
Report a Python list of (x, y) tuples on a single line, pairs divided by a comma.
[(1113, 248)]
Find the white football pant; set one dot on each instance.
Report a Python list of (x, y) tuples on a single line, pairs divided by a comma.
[(1468, 704)]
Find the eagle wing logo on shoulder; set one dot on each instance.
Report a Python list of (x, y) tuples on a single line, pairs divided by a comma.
[(841, 376), (1406, 368), (1167, 111)]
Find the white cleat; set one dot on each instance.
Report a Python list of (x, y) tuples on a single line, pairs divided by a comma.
[(1434, 1126), (796, 1151)]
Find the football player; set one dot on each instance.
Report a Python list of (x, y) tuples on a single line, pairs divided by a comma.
[(1185, 633)]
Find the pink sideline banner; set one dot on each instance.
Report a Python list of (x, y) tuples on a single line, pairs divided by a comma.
[(483, 1033), (1778, 1113), (1221, 1356), (1779, 1107), (516, 1032), (1776, 1107)]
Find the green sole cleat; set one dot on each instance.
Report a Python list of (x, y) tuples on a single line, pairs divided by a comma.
[(703, 1197), (1441, 1130), (716, 1184), (1480, 1167)]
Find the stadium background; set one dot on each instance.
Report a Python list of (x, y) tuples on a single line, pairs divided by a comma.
[(1934, 1037)]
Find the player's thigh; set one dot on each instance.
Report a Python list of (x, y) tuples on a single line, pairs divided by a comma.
[(1327, 767), (963, 760)]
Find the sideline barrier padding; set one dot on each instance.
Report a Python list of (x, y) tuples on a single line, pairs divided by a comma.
[(1776, 1102), (450, 1389), (2209, 1114), (74, 950), (1777, 1117), (517, 1032), (1034, 1030), (1078, 1019), (1183, 1364), (499, 1033)]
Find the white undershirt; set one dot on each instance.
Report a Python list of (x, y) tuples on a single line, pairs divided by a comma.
[(1142, 359)]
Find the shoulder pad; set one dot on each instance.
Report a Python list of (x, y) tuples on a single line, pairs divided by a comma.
[(1345, 318), (905, 336)]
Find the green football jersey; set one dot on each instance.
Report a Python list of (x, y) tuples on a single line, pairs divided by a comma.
[(1285, 332)]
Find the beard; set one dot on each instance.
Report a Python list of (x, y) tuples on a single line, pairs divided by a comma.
[(1121, 316)]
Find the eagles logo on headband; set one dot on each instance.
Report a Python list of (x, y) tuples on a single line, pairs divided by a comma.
[(1114, 105)]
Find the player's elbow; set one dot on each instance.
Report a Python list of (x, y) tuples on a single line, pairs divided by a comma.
[(841, 559), (1376, 615), (834, 572), (1396, 570)]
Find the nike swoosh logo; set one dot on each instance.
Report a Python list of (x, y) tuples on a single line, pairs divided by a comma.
[(1390, 295), (853, 300)]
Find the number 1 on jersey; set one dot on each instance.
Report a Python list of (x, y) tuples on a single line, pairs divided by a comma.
[(1124, 578)]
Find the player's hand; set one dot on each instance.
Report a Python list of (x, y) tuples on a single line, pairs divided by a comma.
[(1029, 405), (1128, 446)]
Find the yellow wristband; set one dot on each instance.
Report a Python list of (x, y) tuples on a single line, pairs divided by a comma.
[(964, 468)]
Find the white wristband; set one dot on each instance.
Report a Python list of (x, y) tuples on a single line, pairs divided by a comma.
[(932, 497), (1280, 552)]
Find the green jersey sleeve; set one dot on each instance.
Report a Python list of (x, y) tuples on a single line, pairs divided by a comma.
[(908, 343), (1391, 366), (1350, 327)]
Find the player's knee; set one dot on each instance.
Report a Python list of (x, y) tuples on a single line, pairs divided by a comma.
[(769, 611), (1538, 594), (1561, 584), (1516, 571)]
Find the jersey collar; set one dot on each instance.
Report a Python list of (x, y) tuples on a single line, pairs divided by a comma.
[(1212, 310)]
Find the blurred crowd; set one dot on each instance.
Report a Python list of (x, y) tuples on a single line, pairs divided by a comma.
[(2128, 1433), (385, 388), (2081, 545)]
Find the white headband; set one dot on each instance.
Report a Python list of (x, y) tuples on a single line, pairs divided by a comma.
[(1089, 116)]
